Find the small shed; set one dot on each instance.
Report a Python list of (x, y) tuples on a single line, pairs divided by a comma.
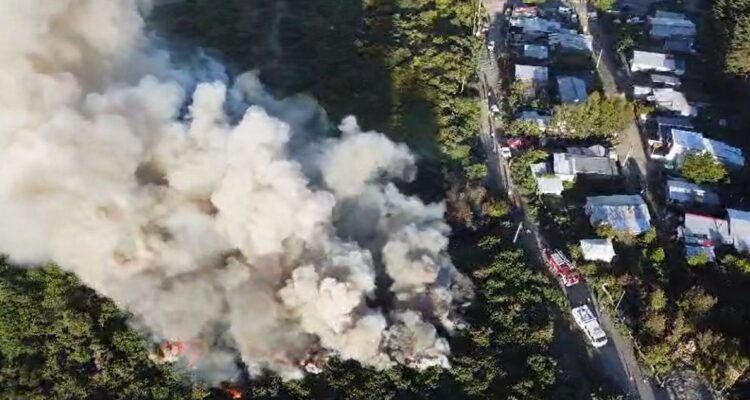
[(546, 183), (597, 250), (541, 120), (707, 251)]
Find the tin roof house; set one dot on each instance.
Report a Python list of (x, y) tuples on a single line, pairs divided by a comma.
[(669, 25), (532, 73), (659, 62), (683, 192), (624, 213), (681, 143), (571, 89), (568, 165)]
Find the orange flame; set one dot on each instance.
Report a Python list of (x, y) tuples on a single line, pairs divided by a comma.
[(234, 393)]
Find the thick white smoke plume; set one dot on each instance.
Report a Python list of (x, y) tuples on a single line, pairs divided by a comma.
[(210, 211)]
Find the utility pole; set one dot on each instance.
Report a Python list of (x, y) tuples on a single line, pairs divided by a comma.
[(518, 231)]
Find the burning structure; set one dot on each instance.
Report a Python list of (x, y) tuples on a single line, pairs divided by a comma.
[(208, 209)]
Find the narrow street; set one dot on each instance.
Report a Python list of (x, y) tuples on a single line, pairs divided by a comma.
[(617, 359)]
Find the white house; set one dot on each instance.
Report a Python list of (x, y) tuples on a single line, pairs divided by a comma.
[(624, 213), (648, 61), (531, 73), (597, 250), (571, 89), (672, 100), (687, 142), (546, 183)]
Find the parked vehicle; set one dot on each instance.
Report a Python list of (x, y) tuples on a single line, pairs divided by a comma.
[(561, 267), (590, 325)]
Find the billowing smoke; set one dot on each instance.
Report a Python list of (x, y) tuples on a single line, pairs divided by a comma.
[(212, 212)]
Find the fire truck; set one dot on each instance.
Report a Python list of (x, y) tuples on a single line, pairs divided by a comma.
[(561, 267)]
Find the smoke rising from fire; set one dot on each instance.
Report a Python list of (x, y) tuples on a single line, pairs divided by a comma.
[(210, 210)]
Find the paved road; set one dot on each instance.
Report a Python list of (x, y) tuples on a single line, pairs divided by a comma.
[(617, 359)]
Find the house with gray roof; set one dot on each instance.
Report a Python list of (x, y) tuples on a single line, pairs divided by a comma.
[(568, 165), (571, 89), (684, 192), (739, 228), (623, 213)]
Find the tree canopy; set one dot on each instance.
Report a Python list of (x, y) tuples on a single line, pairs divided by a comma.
[(732, 18), (702, 168), (597, 117)]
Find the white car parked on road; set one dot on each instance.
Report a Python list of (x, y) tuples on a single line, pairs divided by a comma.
[(590, 325)]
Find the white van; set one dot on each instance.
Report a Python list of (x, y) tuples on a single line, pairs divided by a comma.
[(589, 324)]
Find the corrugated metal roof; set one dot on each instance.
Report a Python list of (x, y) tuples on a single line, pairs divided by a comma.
[(686, 192), (625, 213), (531, 73), (739, 227), (572, 89), (597, 250)]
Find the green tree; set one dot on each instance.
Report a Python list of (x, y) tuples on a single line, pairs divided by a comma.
[(702, 168), (737, 263), (732, 19), (603, 5), (523, 128), (59, 340), (597, 117), (719, 359)]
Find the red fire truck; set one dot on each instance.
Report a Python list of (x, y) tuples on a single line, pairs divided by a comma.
[(561, 267)]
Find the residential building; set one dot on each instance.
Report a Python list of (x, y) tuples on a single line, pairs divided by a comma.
[(597, 250), (706, 251), (683, 192), (567, 166), (623, 213), (649, 61), (671, 25), (535, 51), (571, 89), (665, 80), (703, 230), (545, 182), (540, 119), (571, 41), (671, 100), (739, 228), (535, 25), (531, 73), (682, 142)]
